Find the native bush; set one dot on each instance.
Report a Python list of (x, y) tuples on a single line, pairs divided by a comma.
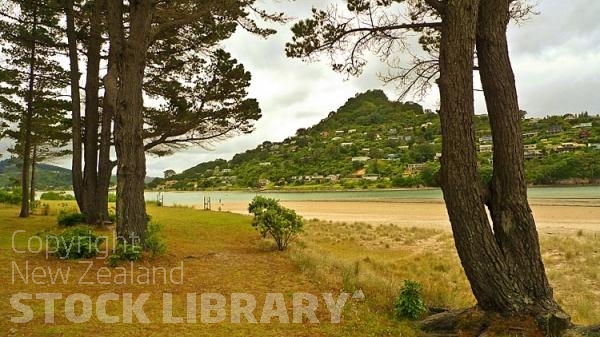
[(272, 219), (69, 219), (409, 303), (76, 243)]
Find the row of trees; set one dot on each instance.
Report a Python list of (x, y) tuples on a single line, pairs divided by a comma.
[(154, 81)]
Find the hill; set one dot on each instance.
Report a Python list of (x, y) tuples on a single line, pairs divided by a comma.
[(47, 176), (373, 142)]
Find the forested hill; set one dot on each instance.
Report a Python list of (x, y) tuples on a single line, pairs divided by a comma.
[(373, 142), (47, 176)]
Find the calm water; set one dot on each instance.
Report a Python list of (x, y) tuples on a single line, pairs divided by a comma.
[(196, 198)]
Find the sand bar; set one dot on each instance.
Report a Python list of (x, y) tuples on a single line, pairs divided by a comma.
[(551, 215)]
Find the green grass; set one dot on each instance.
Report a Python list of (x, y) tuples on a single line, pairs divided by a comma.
[(221, 253)]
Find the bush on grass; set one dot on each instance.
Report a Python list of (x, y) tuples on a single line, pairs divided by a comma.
[(272, 219)]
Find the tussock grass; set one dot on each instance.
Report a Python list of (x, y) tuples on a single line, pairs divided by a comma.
[(377, 259)]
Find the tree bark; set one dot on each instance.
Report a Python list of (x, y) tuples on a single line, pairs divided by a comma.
[(92, 86), (28, 121), (129, 121), (473, 236), (105, 165), (32, 184), (513, 223), (76, 166), (502, 260)]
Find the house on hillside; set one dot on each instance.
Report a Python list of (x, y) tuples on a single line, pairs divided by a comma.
[(371, 177), (485, 148), (530, 134), (594, 146), (266, 163), (352, 131), (487, 139), (582, 125), (568, 147), (414, 169), (530, 146), (554, 129), (361, 159), (346, 144)]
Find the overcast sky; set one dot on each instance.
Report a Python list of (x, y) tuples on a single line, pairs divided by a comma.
[(555, 55)]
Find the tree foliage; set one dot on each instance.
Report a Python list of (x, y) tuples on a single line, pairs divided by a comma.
[(272, 219)]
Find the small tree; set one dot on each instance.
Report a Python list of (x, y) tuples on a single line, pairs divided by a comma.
[(270, 218)]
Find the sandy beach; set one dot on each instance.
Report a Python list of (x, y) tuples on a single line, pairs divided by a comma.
[(551, 215)]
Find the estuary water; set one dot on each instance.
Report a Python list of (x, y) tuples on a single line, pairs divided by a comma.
[(196, 198)]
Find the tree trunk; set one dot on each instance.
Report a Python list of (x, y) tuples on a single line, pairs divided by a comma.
[(32, 184), (502, 261), (76, 169), (473, 236), (513, 222), (105, 165), (129, 121), (92, 86), (28, 122)]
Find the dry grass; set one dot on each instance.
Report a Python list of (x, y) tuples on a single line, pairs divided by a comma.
[(378, 258)]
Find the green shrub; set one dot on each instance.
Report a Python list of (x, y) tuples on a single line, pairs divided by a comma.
[(409, 303), (56, 196), (125, 252), (272, 219), (155, 242), (68, 219), (12, 197), (76, 243), (112, 197)]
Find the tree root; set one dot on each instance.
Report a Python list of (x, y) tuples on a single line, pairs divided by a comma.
[(474, 322)]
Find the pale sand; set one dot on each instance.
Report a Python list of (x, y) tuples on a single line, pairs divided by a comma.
[(551, 215)]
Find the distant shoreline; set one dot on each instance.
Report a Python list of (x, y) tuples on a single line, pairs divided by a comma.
[(311, 190)]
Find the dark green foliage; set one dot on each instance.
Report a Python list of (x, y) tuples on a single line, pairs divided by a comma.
[(56, 196), (12, 197), (409, 303), (272, 219), (155, 242), (69, 219), (125, 252), (76, 243)]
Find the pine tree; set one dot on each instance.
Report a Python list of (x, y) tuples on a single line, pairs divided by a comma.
[(32, 76)]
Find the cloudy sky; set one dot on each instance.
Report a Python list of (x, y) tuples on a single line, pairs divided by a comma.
[(555, 55)]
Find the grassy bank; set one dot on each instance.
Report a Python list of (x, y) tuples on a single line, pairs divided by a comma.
[(223, 254), (378, 258)]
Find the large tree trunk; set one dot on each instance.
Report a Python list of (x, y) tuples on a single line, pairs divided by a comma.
[(76, 166), (513, 222), (474, 239), (129, 121), (502, 262), (92, 86), (28, 122)]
